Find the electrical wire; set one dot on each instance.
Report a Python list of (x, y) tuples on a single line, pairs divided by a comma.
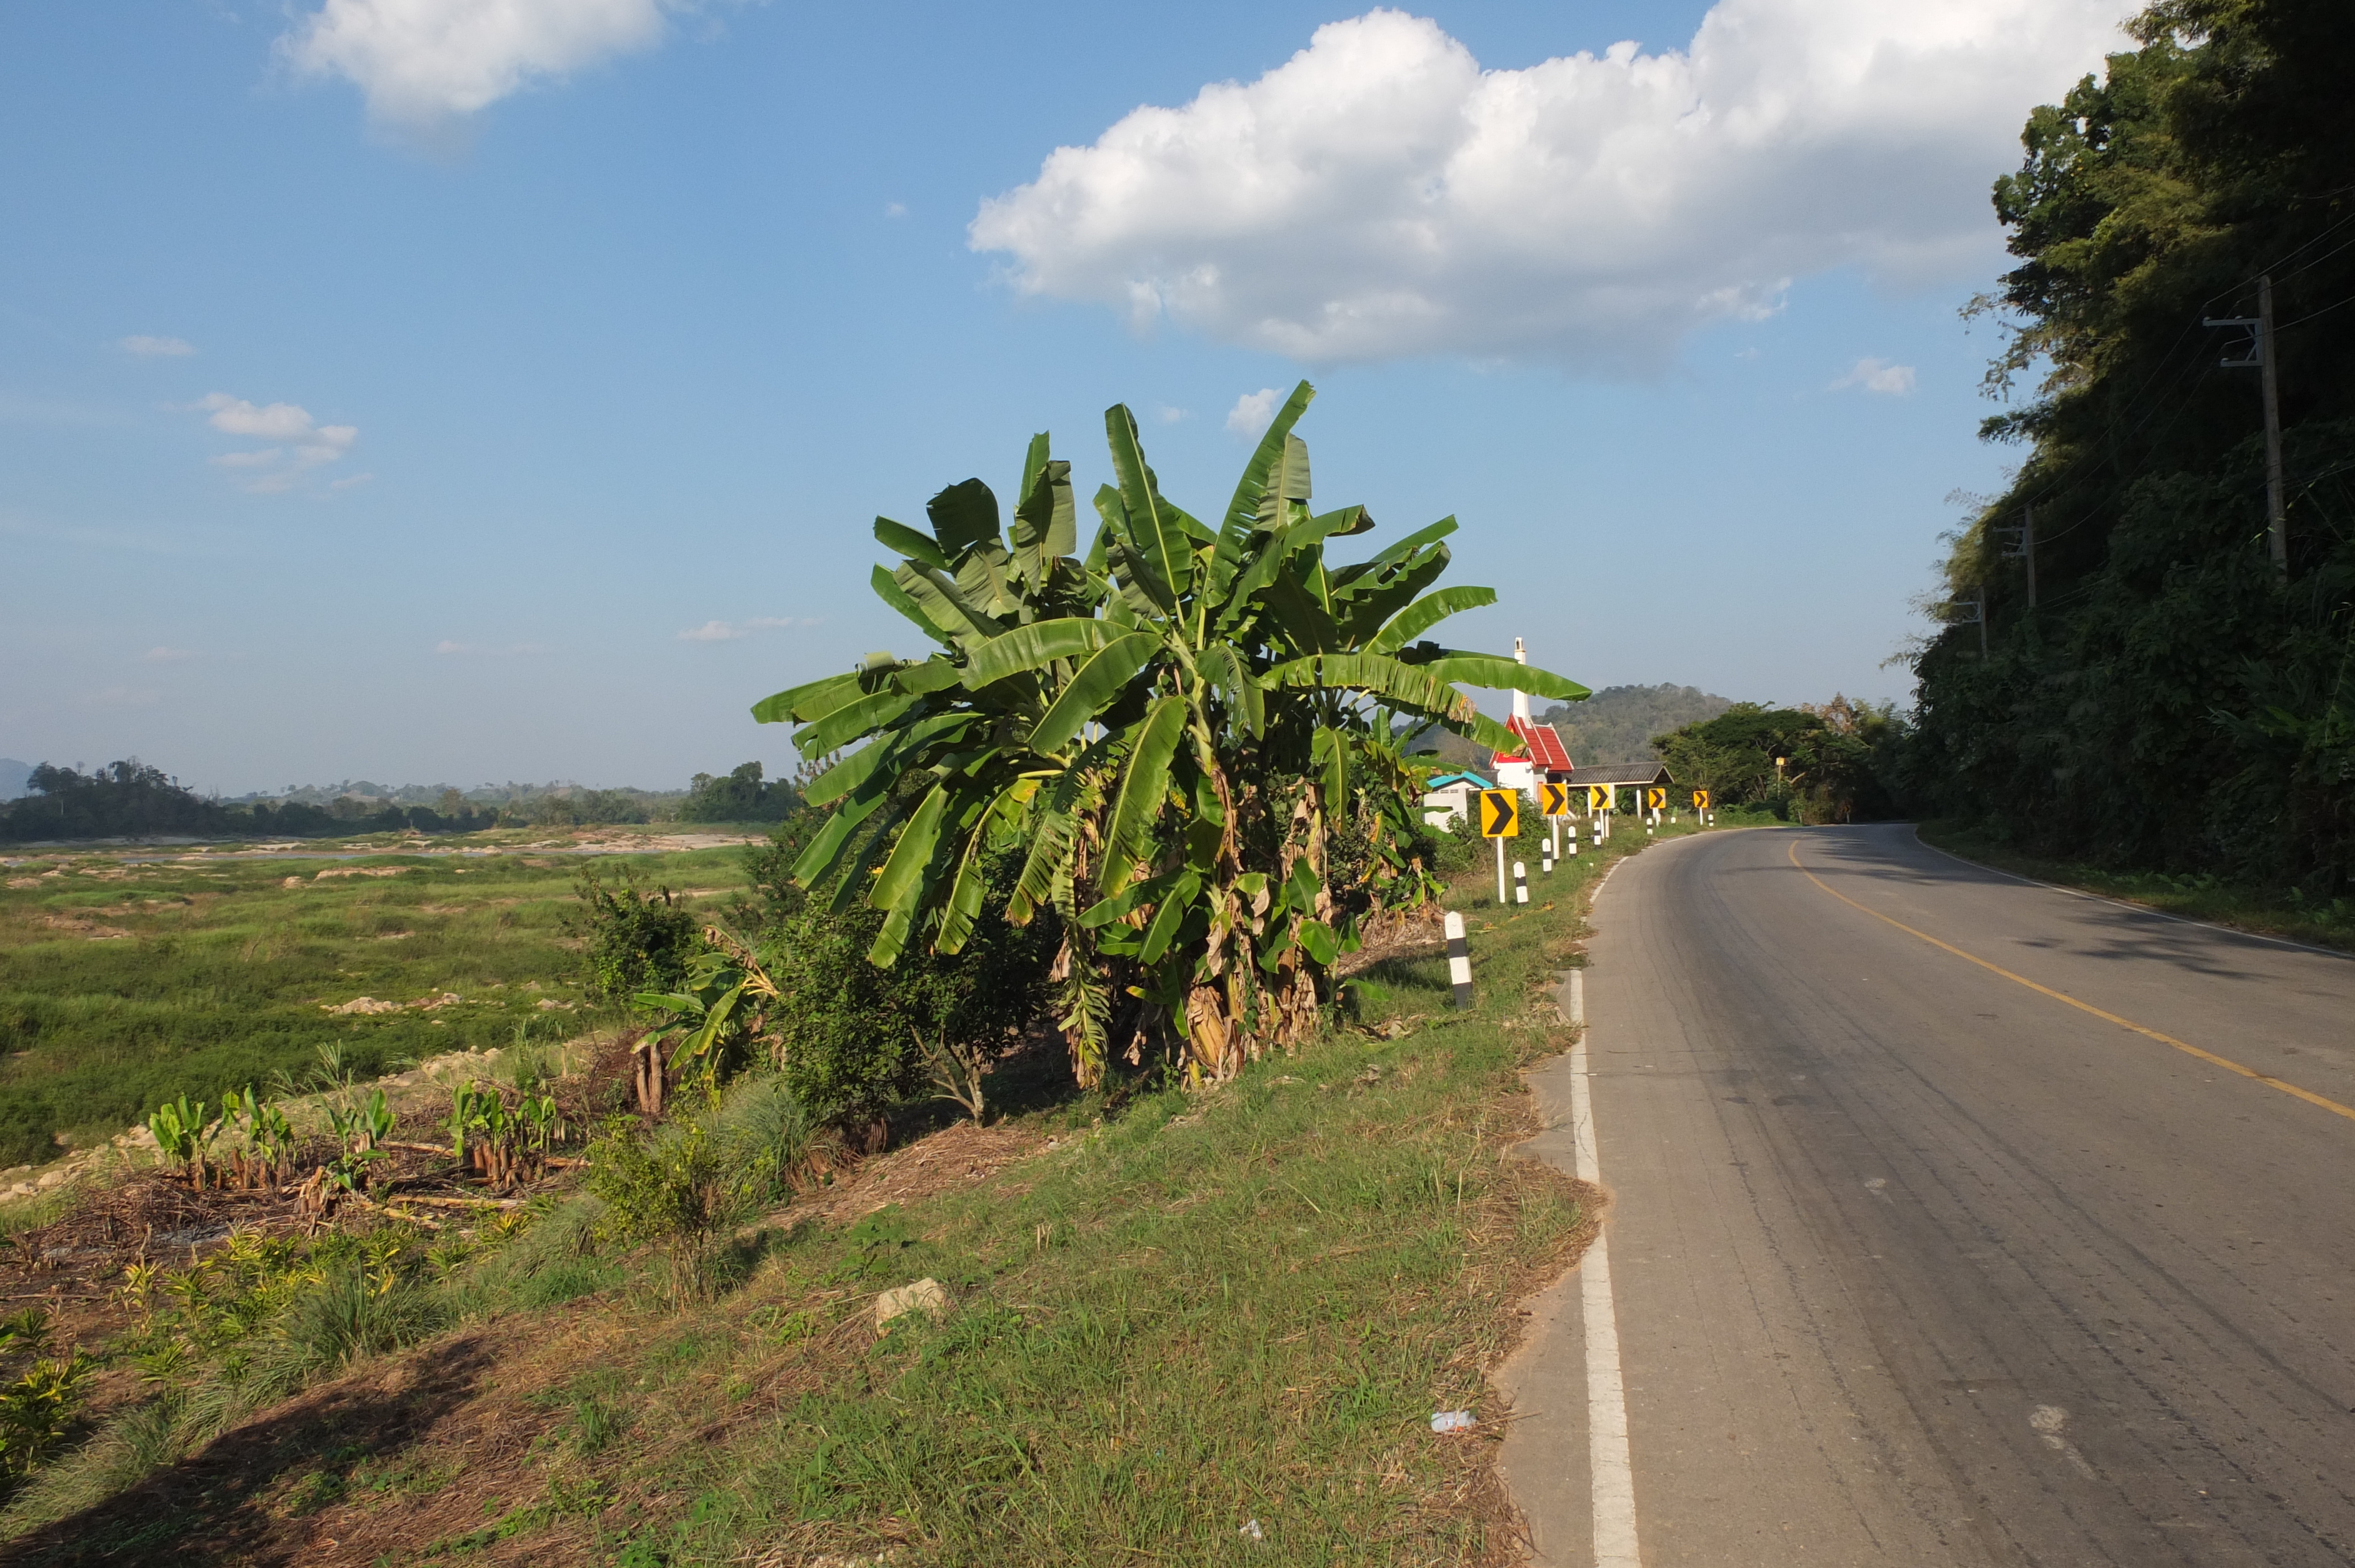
[(2285, 326)]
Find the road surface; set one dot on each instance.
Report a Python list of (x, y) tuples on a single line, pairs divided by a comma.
[(1956, 1220)]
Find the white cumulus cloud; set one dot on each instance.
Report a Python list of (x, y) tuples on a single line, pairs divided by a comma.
[(302, 443), (155, 347), (1252, 411), (1879, 377), (423, 64), (729, 630), (1379, 194)]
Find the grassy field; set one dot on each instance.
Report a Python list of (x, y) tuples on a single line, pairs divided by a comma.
[(1186, 1328), (124, 983), (2324, 924)]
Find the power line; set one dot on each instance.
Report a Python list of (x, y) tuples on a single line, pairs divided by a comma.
[(2311, 314)]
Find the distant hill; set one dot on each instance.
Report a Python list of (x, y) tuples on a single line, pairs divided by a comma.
[(13, 775), (1617, 723)]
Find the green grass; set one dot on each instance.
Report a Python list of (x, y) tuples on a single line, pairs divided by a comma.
[(122, 985), (2198, 896), (1206, 1310), (1192, 1311)]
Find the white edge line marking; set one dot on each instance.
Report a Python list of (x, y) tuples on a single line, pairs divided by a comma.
[(1613, 1474), (2125, 904)]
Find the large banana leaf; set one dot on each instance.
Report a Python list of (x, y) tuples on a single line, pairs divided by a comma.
[(964, 515), (1287, 483), (1505, 674), (882, 753), (1151, 527), (906, 541), (1098, 684), (1243, 511), (1035, 646), (1425, 613), (809, 701), (1142, 788), (887, 589), (944, 603)]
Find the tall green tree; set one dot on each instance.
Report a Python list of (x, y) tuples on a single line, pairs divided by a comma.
[(2167, 699), (1169, 723)]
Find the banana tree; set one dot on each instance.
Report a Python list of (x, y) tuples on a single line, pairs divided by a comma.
[(1168, 723)]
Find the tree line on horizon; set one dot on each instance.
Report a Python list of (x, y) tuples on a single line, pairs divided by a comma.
[(133, 799)]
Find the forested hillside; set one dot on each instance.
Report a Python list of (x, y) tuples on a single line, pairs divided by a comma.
[(2155, 688), (1617, 723)]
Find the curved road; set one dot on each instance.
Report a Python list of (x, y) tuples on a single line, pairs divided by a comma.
[(1956, 1220)]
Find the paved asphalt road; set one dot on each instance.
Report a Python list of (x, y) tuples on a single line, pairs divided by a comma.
[(1913, 1264)]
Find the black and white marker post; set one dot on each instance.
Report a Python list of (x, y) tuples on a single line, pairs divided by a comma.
[(1545, 860), (1520, 882), (1459, 960)]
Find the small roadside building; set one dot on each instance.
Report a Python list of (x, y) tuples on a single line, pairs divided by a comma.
[(1617, 776), (1449, 795), (1542, 758)]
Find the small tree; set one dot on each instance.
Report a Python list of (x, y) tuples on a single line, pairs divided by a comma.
[(636, 941)]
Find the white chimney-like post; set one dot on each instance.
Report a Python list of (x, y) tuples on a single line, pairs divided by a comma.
[(1520, 699)]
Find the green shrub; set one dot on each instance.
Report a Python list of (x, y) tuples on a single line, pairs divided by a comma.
[(636, 941), (1455, 847), (674, 1188), (849, 1033), (682, 1186)]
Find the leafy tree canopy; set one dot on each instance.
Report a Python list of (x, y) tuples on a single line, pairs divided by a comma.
[(2169, 699)]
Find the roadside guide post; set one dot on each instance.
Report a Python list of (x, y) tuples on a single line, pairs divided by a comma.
[(1459, 960), (1500, 819), (1553, 800), (1598, 810), (1520, 881)]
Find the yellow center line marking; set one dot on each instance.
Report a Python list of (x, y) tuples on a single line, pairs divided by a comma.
[(2309, 1095)]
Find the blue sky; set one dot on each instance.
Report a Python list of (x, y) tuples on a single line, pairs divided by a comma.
[(539, 436)]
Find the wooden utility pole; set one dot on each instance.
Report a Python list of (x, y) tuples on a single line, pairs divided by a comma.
[(2027, 547), (2260, 358), (2278, 525)]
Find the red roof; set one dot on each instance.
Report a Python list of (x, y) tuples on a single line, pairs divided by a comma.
[(1541, 746)]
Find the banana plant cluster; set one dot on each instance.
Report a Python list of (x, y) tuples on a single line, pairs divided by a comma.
[(358, 1128), (1169, 722), (717, 1017), (184, 1137), (263, 1146), (503, 1143)]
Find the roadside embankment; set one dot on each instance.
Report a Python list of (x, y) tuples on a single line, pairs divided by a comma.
[(1190, 1327)]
